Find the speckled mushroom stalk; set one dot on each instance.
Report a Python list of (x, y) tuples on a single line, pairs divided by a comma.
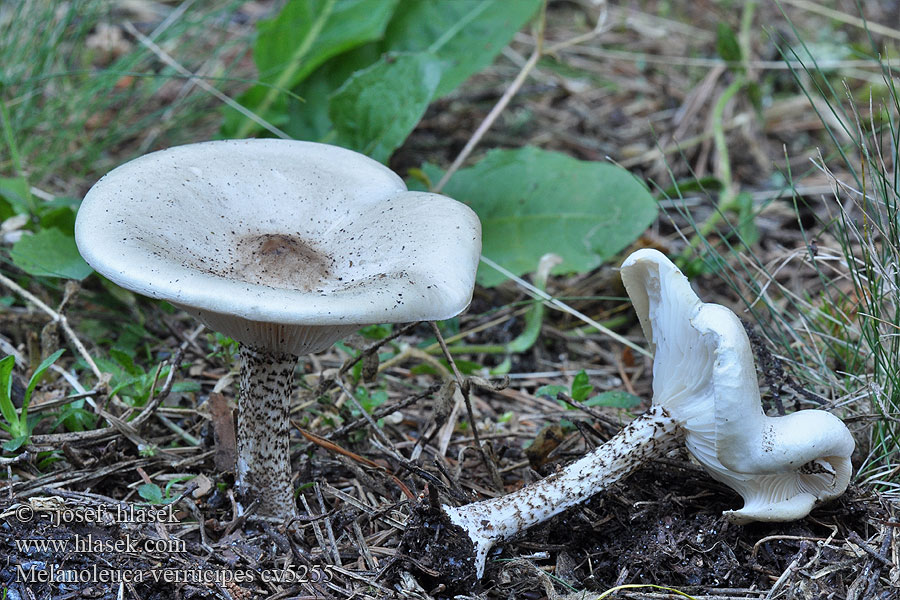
[(491, 521), (263, 470), (705, 391)]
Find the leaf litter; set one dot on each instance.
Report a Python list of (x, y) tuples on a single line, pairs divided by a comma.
[(663, 526)]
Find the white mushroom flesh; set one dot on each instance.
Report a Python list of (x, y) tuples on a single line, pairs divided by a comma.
[(704, 374)]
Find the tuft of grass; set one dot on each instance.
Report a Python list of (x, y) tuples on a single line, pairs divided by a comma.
[(82, 95), (838, 332)]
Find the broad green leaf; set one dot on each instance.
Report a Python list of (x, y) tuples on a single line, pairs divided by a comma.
[(292, 45), (50, 253), (307, 117), (378, 107), (75, 417), (6, 210), (613, 399), (60, 217), (121, 381), (581, 387), (15, 192), (306, 33), (465, 34), (532, 201)]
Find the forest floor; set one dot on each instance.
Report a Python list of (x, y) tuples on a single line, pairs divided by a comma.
[(641, 94)]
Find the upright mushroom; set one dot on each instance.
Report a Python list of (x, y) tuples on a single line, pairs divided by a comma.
[(286, 247), (704, 389)]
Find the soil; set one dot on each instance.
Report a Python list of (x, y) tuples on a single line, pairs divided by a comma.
[(655, 528), (664, 524)]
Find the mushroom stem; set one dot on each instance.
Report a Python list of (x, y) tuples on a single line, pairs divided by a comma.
[(491, 521), (263, 467)]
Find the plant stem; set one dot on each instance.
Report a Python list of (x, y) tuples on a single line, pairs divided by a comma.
[(491, 521), (263, 470)]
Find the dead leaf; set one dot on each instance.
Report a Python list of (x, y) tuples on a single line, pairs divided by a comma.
[(223, 432)]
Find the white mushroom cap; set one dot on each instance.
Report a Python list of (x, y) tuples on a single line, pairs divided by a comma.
[(704, 375), (282, 245)]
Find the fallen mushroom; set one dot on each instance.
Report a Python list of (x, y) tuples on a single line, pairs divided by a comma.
[(705, 391), (286, 247)]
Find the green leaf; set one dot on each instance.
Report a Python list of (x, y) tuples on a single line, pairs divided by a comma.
[(305, 34), (151, 493), (6, 210), (15, 443), (378, 107), (465, 34), (36, 377), (50, 253), (307, 117), (172, 483), (706, 184), (755, 94), (126, 362), (112, 367), (370, 401), (727, 46), (75, 417), (376, 332), (581, 387), (550, 391), (613, 399), (60, 217), (16, 193), (532, 201), (290, 47), (185, 387), (6, 406), (24, 427)]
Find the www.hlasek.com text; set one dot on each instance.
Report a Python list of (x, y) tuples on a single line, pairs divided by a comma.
[(89, 544)]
